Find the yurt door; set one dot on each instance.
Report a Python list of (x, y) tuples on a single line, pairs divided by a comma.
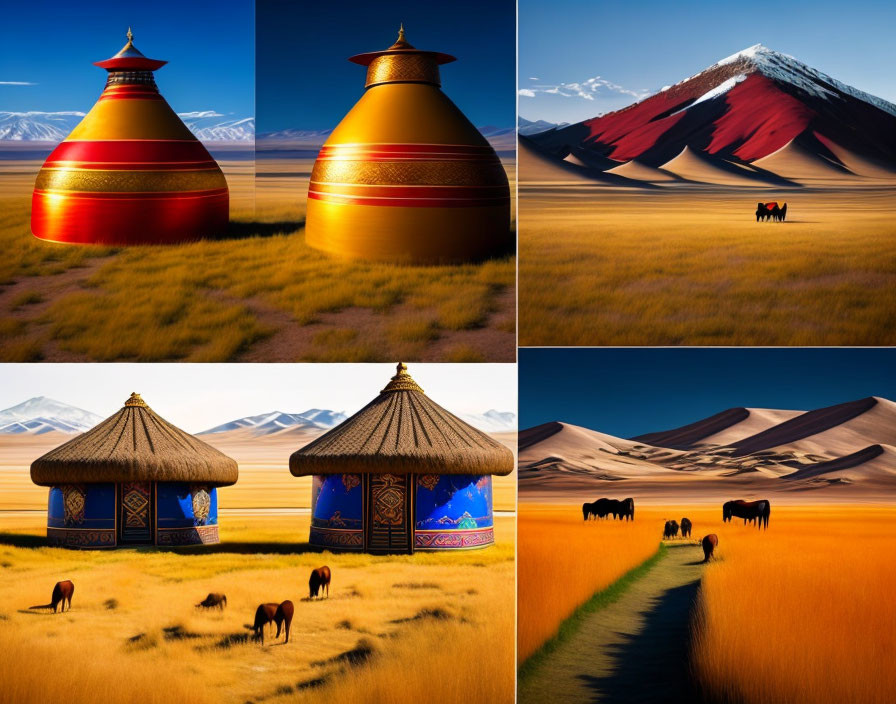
[(135, 513), (388, 511)]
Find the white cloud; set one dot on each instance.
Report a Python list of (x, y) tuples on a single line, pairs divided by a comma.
[(17, 83), (586, 90), (201, 113), (532, 78)]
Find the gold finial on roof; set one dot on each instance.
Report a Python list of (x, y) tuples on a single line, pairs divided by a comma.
[(401, 32), (402, 381), (130, 35), (135, 400)]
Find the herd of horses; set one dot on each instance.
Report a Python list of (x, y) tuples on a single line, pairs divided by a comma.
[(757, 512), (602, 508), (771, 211), (268, 614)]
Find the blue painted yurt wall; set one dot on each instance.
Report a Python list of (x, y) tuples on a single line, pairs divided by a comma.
[(453, 511), (336, 511), (82, 516)]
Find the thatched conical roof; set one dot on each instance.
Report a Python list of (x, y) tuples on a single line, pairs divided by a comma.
[(135, 444), (402, 431)]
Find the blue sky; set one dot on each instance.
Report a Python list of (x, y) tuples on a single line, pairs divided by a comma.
[(306, 82), (642, 46), (628, 392), (210, 48), (197, 397)]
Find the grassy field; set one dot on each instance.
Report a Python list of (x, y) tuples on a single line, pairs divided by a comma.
[(564, 560), (804, 613), (394, 629), (693, 267), (260, 295)]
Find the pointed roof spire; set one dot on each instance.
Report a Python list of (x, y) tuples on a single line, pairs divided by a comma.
[(402, 381), (129, 58), (135, 400)]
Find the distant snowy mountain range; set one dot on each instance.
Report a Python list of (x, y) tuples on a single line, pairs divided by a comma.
[(34, 126), (43, 415), (528, 127)]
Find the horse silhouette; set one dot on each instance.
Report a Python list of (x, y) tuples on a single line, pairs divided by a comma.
[(771, 211), (754, 511), (212, 601), (710, 543), (273, 613), (670, 530), (686, 527), (62, 592), (320, 579)]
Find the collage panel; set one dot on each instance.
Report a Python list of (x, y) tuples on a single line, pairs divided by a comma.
[(198, 544), (386, 132), (723, 520), (682, 184)]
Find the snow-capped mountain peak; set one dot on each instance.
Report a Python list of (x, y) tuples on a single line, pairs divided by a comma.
[(275, 421), (41, 414), (492, 421)]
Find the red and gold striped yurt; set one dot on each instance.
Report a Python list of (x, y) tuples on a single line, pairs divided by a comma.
[(406, 176), (130, 172)]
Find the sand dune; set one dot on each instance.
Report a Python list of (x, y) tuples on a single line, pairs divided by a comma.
[(640, 171), (798, 162), (859, 165), (721, 429), (701, 167), (538, 167), (872, 462), (590, 160)]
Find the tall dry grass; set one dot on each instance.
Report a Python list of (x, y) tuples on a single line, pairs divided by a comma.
[(804, 612), (564, 560), (134, 634)]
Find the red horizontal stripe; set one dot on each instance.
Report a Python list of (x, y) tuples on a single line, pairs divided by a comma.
[(410, 202), (131, 154), (405, 191), (130, 96), (111, 221), (136, 195)]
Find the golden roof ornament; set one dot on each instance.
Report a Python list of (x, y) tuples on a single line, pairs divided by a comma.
[(135, 400), (402, 381)]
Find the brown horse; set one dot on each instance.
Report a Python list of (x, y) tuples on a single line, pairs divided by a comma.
[(320, 579), (213, 601), (62, 592), (753, 511), (710, 543), (273, 613), (670, 530)]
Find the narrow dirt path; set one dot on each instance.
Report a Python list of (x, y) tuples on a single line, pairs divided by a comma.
[(634, 650)]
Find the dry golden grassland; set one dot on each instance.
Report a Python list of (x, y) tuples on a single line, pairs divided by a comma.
[(261, 295), (693, 267), (395, 629), (563, 561), (802, 613)]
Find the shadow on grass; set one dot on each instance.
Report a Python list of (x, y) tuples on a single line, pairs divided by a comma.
[(238, 229), (237, 548)]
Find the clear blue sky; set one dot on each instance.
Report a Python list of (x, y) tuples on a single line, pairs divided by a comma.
[(197, 397), (210, 48), (306, 82), (644, 45), (628, 392)]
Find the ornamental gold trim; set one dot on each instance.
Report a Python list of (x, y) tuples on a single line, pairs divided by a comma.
[(402, 173), (100, 181), (402, 68)]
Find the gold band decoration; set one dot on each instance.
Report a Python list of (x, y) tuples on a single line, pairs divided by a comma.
[(136, 400), (101, 181), (403, 68), (424, 173)]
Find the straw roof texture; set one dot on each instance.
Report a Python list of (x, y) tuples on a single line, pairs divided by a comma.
[(135, 444), (402, 431)]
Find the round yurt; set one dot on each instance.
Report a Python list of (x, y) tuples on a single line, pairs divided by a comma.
[(133, 480), (405, 176), (402, 474), (131, 172)]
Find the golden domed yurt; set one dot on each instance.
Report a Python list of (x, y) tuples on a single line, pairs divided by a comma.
[(133, 480), (405, 176), (402, 474), (130, 172)]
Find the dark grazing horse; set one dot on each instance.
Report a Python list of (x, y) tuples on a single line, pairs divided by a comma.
[(686, 526), (627, 509), (62, 592), (771, 211), (320, 579), (753, 511), (670, 530), (273, 613), (213, 601), (710, 543)]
